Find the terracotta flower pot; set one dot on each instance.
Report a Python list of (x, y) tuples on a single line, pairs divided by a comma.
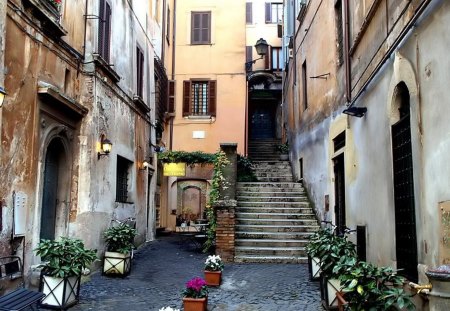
[(195, 304), (213, 278)]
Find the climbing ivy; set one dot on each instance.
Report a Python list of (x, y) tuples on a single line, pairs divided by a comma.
[(190, 158)]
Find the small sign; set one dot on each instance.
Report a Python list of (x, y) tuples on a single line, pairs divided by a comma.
[(174, 169)]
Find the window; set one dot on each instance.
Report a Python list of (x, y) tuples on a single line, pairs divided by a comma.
[(199, 98), (201, 28), (104, 30), (123, 167), (139, 72), (168, 26), (305, 85), (277, 59), (274, 13), (249, 13), (340, 32), (249, 57)]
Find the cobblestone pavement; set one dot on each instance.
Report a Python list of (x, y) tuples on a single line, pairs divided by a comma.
[(161, 268)]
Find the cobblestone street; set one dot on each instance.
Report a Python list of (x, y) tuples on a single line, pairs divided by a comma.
[(161, 268)]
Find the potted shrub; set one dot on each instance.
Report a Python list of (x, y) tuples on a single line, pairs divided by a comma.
[(195, 295), (367, 287), (316, 248), (61, 273), (283, 149), (337, 250), (213, 270), (119, 245)]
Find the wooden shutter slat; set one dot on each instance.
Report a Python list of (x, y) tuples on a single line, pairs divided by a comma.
[(212, 92), (186, 98), (107, 37), (171, 99), (249, 13), (267, 58), (101, 26), (268, 13)]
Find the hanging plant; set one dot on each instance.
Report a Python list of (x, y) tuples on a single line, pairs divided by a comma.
[(55, 3)]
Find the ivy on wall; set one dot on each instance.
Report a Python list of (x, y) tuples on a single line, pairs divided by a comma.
[(220, 161)]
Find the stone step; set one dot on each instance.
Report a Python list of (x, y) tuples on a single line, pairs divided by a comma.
[(270, 251), (277, 222), (275, 179), (280, 228), (261, 235), (285, 175), (241, 198), (274, 185), (271, 259), (271, 243), (271, 194), (271, 204), (243, 215), (285, 210)]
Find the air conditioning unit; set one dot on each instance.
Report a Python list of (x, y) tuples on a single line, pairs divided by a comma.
[(291, 53)]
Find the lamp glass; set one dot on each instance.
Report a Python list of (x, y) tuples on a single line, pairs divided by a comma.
[(106, 146), (261, 47)]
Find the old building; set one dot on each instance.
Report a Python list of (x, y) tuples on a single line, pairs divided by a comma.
[(79, 75), (365, 104)]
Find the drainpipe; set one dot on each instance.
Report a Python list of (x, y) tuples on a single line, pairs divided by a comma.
[(348, 87), (174, 36)]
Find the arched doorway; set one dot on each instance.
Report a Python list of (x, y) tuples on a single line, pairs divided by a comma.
[(404, 198), (53, 190)]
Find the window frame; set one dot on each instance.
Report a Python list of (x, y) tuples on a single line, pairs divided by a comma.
[(104, 30), (190, 107), (269, 12), (201, 40), (123, 168), (140, 65), (279, 58)]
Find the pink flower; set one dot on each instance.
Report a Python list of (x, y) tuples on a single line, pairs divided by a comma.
[(195, 284)]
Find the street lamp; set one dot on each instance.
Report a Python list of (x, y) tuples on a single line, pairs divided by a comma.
[(353, 111), (105, 147), (262, 48), (2, 96)]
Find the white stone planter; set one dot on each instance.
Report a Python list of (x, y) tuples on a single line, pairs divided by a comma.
[(284, 156), (61, 293), (117, 264), (333, 286), (314, 268)]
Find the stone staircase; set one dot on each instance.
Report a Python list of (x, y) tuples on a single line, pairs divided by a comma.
[(263, 150), (273, 217)]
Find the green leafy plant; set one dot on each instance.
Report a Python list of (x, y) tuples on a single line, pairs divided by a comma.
[(283, 148), (368, 287), (190, 158), (245, 170), (66, 257), (120, 238)]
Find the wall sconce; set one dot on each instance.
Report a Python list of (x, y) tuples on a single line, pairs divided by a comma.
[(262, 48), (145, 165), (355, 111), (105, 147), (2, 96)]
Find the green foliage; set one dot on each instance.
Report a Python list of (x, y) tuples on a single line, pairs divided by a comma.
[(367, 287), (190, 158), (245, 172), (283, 148), (330, 249), (218, 183), (66, 257), (120, 238)]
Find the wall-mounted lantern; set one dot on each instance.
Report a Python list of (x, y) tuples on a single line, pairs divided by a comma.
[(355, 111), (145, 165), (262, 48), (105, 147), (2, 96)]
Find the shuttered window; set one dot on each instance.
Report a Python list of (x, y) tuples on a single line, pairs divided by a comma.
[(171, 98), (139, 72), (201, 28), (277, 58), (249, 13), (274, 13), (104, 29), (249, 57), (123, 167), (199, 98), (268, 58)]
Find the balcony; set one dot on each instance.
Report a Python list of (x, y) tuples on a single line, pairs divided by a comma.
[(47, 12)]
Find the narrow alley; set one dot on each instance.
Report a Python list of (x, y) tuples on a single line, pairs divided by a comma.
[(162, 267)]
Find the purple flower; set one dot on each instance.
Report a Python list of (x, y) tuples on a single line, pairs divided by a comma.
[(195, 284)]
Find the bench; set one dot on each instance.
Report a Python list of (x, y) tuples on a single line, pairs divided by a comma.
[(11, 268)]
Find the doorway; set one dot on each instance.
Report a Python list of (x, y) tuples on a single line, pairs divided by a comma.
[(55, 158), (404, 199), (339, 192)]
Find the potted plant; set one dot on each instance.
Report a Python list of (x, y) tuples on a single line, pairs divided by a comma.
[(61, 273), (213, 270), (195, 295), (283, 149), (337, 250), (316, 249), (119, 245), (367, 287), (168, 309)]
